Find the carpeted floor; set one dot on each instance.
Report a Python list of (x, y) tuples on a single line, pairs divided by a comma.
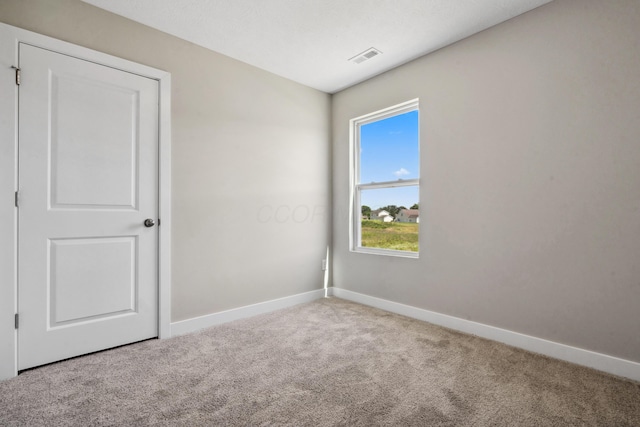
[(329, 362)]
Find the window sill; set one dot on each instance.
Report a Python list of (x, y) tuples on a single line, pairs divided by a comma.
[(386, 252)]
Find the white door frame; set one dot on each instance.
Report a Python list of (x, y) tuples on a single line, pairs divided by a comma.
[(10, 37)]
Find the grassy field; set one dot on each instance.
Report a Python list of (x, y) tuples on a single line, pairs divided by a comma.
[(401, 236)]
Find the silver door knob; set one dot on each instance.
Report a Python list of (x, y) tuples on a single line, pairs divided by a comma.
[(149, 222)]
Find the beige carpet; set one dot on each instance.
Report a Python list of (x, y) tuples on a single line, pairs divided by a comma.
[(329, 362)]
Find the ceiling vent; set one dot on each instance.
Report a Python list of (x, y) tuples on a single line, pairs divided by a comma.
[(366, 55)]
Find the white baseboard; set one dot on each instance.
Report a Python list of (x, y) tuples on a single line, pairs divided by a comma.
[(599, 361), (197, 323)]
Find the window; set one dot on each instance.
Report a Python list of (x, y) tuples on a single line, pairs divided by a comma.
[(385, 181)]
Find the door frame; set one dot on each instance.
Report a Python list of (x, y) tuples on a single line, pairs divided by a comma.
[(10, 38)]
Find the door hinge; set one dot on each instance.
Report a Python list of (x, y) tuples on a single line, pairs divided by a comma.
[(17, 322), (17, 74), (16, 199)]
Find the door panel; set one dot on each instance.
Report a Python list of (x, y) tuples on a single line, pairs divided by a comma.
[(107, 263), (79, 177), (88, 176)]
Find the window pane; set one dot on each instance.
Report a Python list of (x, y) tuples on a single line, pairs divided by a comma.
[(389, 149), (388, 222)]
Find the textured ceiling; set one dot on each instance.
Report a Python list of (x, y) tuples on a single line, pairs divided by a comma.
[(310, 41)]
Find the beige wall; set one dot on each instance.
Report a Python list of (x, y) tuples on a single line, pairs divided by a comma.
[(530, 196), (246, 145)]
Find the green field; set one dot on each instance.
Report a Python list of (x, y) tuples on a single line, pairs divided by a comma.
[(400, 236)]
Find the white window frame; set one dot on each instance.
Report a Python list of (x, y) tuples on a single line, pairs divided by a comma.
[(357, 187)]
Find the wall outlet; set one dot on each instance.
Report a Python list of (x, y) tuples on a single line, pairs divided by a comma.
[(324, 264)]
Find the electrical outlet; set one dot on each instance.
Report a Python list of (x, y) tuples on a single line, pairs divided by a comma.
[(324, 264)]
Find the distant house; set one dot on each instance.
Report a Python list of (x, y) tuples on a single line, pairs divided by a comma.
[(409, 215), (379, 214)]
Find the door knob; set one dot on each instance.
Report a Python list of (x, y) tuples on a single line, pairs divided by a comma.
[(149, 222)]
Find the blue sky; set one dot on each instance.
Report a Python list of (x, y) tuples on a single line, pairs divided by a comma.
[(389, 150)]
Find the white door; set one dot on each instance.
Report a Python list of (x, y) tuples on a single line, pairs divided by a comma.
[(88, 179)]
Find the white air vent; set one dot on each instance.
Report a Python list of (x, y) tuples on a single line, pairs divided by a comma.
[(366, 55)]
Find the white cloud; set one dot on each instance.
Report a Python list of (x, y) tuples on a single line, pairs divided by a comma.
[(401, 172)]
